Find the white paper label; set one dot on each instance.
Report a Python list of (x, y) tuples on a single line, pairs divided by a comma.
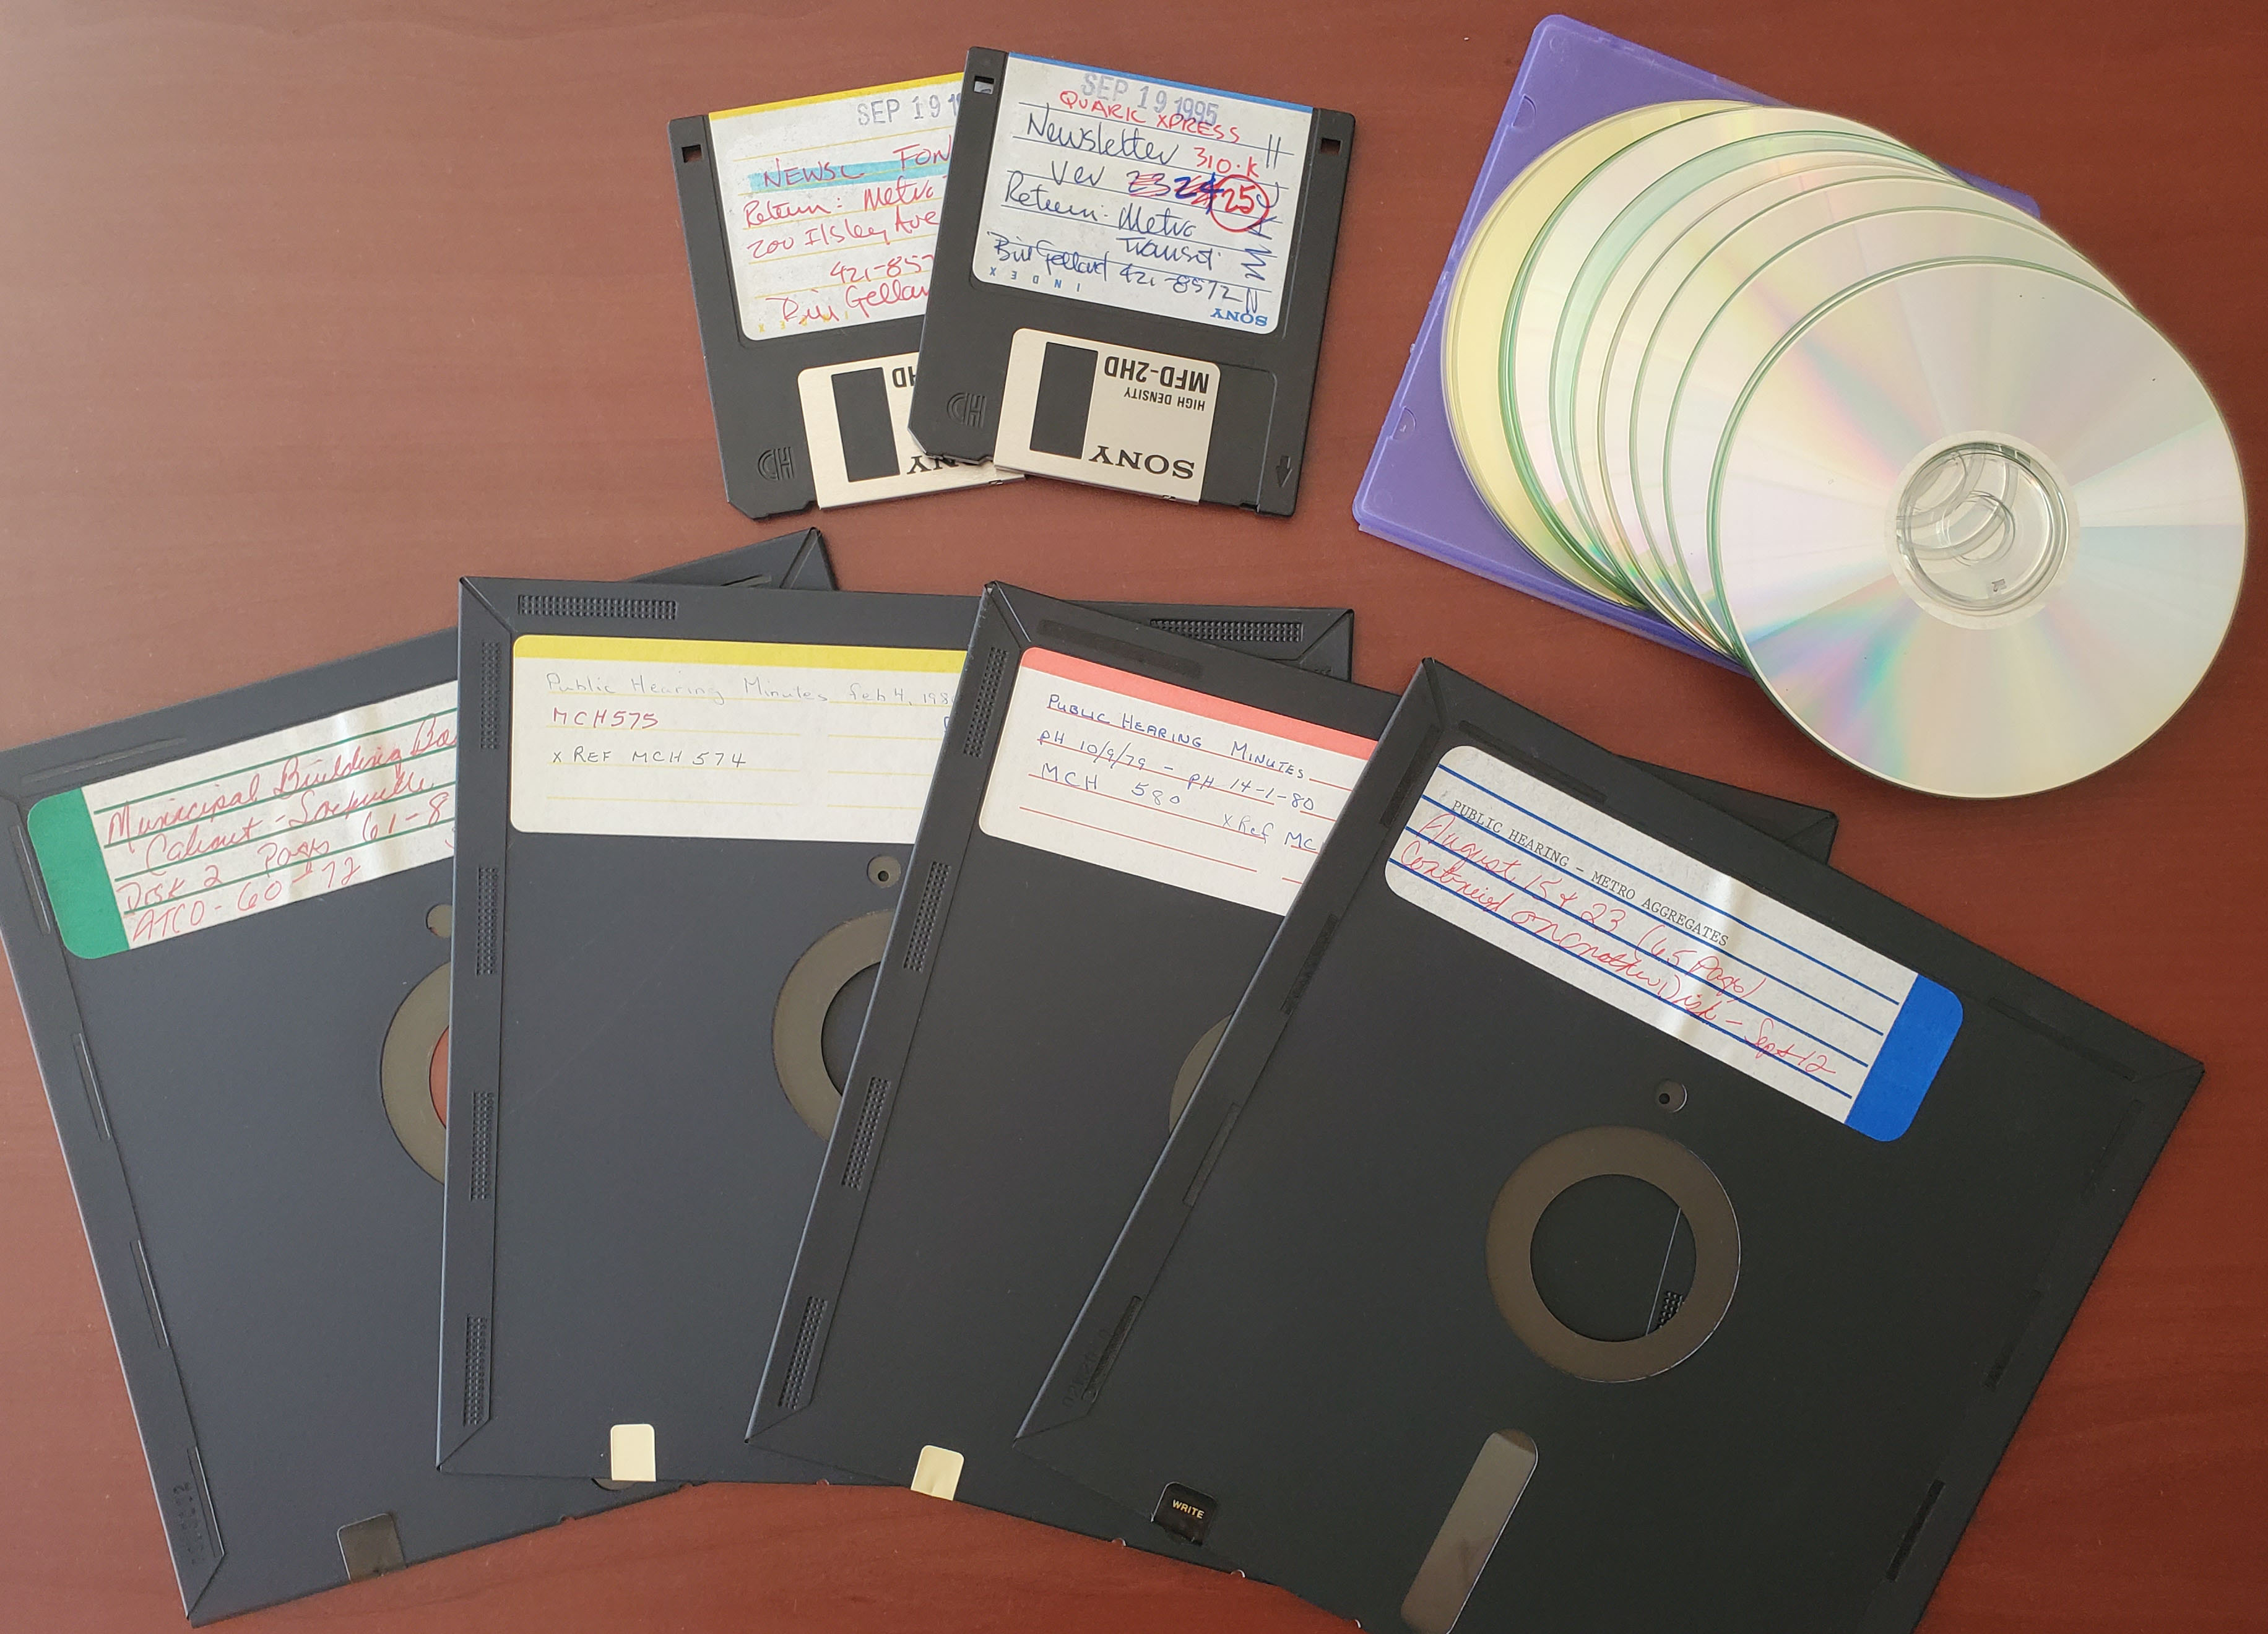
[(854, 422), (1142, 193), (725, 739), (1737, 974), (1165, 783), (1115, 415), (831, 203), (280, 818)]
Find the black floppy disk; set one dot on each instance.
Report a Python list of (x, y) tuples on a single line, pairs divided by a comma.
[(1130, 280), (686, 821), (228, 923), (1118, 822), (1595, 1217), (810, 229)]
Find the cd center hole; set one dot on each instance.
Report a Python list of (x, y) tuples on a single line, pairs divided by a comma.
[(1981, 530)]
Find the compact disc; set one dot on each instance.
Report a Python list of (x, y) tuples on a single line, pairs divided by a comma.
[(1754, 301), (1590, 229), (1978, 528), (1599, 308), (1473, 324), (1604, 446)]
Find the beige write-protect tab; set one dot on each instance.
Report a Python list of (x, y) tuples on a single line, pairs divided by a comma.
[(630, 1452), (1118, 417), (937, 1473)]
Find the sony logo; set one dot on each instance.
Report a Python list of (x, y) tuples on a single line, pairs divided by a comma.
[(922, 464), (1133, 460)]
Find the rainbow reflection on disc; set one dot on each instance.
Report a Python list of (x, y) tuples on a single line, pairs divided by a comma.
[(1978, 529)]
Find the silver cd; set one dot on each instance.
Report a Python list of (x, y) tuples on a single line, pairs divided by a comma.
[(1614, 346), (1755, 294), (1472, 327), (1978, 528), (1598, 325), (1587, 234)]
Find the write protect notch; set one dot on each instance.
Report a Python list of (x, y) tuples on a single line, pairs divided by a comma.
[(371, 1548)]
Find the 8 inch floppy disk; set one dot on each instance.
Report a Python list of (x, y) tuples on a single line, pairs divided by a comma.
[(1118, 822), (228, 922), (1596, 1217), (686, 823)]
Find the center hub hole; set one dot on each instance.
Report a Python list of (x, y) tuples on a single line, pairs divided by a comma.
[(1612, 1257), (846, 1016)]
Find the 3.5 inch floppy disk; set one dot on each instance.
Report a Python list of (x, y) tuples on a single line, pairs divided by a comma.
[(811, 231), (1130, 280), (228, 924)]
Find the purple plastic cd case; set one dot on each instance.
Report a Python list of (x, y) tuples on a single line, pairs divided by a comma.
[(1415, 491)]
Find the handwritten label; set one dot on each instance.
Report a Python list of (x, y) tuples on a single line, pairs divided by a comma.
[(1142, 193), (854, 423), (725, 739), (831, 203), (1115, 416), (1737, 974), (1165, 783), (211, 838)]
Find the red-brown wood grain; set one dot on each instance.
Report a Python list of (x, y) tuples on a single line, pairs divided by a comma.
[(305, 311)]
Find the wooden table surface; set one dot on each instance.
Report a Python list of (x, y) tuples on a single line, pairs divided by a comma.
[(305, 311)]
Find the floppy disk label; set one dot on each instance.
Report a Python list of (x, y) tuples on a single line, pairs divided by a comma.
[(854, 422), (1737, 974), (725, 739), (1144, 195), (1164, 783), (279, 818), (1121, 417), (831, 203)]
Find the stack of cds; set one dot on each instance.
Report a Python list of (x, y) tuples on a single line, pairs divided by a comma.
[(1880, 436)]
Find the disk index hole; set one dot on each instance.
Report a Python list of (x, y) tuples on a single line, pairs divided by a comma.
[(691, 154)]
